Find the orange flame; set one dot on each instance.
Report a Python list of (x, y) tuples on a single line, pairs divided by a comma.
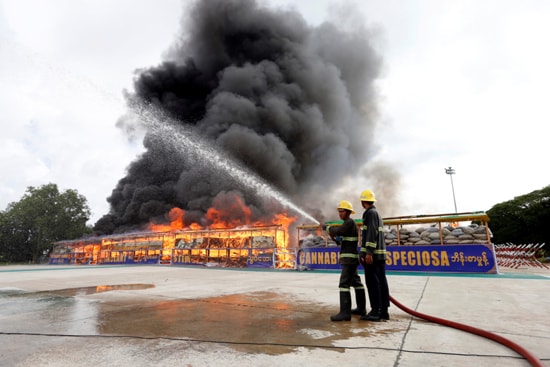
[(284, 220), (229, 211), (229, 215), (176, 222)]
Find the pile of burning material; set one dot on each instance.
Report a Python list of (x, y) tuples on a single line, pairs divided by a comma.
[(227, 247)]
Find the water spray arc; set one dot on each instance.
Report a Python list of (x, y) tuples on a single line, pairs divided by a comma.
[(153, 119), (189, 143)]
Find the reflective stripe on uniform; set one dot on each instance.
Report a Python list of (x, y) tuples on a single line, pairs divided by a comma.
[(370, 244), (376, 251), (350, 238), (364, 228), (351, 256)]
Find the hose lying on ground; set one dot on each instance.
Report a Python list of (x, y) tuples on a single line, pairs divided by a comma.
[(531, 358)]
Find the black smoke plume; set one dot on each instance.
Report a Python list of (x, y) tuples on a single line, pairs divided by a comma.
[(294, 103)]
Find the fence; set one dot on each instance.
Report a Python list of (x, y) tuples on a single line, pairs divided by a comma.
[(510, 255)]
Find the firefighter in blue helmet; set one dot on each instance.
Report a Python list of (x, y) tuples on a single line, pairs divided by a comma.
[(346, 235), (373, 258)]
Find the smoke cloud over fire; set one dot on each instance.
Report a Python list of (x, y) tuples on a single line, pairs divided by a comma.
[(293, 103)]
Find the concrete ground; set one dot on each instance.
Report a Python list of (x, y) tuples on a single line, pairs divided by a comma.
[(196, 316)]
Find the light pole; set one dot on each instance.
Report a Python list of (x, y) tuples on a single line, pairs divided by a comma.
[(450, 171)]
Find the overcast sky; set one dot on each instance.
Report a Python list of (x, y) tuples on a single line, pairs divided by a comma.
[(465, 84)]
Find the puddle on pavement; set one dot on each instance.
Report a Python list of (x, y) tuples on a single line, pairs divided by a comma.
[(258, 322), (83, 291), (48, 305), (73, 292)]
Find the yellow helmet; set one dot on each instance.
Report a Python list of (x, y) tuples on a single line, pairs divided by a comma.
[(367, 195), (344, 204)]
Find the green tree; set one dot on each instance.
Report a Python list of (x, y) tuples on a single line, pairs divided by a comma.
[(43, 216), (522, 220)]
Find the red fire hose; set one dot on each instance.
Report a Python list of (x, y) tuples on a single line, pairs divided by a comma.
[(510, 344)]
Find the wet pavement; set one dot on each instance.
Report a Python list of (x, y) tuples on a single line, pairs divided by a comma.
[(193, 316)]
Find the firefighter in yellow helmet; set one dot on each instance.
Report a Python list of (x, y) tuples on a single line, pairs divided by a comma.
[(346, 235), (373, 258)]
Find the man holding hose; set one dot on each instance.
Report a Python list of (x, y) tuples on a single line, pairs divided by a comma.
[(347, 237)]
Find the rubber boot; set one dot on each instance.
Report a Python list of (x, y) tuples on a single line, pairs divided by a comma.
[(373, 315), (361, 300), (345, 308), (384, 314)]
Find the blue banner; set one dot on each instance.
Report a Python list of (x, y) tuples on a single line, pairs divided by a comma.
[(260, 260), (463, 258), (59, 259)]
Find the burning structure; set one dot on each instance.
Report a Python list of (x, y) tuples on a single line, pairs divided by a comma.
[(176, 244), (247, 247)]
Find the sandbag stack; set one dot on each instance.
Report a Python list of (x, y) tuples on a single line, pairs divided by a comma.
[(473, 233)]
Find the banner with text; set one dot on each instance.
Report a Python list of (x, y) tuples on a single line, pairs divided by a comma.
[(463, 258)]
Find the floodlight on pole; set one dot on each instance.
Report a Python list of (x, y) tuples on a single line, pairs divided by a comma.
[(450, 171)]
